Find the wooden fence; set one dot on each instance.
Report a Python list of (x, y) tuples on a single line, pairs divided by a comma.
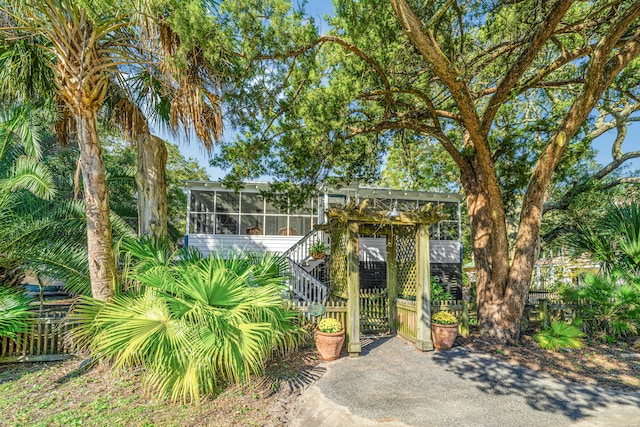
[(46, 340), (332, 310)]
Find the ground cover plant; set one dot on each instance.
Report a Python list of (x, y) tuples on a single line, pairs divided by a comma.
[(60, 394), (560, 335), (193, 323)]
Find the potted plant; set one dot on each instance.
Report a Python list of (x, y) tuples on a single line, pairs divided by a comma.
[(329, 338), (444, 329), (318, 250)]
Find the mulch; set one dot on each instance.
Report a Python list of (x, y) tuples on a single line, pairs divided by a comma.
[(614, 366)]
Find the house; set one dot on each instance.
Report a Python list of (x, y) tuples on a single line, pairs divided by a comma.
[(220, 219)]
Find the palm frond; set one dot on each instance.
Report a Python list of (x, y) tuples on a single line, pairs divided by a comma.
[(15, 314), (30, 175)]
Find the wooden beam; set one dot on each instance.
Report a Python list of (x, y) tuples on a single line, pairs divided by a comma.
[(353, 289), (370, 230), (423, 290), (428, 216)]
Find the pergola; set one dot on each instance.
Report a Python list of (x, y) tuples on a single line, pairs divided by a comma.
[(407, 260)]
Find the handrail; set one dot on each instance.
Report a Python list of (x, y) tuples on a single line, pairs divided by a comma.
[(305, 286), (299, 252)]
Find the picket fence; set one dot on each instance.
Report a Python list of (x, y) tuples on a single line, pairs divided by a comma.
[(46, 340)]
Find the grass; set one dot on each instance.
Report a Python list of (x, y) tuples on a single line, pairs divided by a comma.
[(58, 394)]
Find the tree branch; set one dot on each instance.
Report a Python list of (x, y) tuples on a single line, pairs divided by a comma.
[(333, 39), (512, 77), (620, 181), (426, 44)]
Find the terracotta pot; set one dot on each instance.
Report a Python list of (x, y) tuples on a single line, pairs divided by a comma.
[(329, 345), (443, 335), (317, 255)]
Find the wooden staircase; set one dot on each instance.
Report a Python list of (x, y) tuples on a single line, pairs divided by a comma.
[(306, 284)]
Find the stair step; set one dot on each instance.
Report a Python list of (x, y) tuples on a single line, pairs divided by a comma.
[(311, 265)]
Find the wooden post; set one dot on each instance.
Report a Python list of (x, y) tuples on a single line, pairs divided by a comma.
[(423, 290), (464, 324), (353, 290), (392, 279), (544, 314)]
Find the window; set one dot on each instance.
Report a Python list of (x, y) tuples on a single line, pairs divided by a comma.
[(299, 225), (251, 224), (277, 226), (246, 213), (252, 203), (226, 224), (227, 202)]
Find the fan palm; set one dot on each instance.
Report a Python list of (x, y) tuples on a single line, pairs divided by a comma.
[(560, 335), (193, 323), (615, 240)]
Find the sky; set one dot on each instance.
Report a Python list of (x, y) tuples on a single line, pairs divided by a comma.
[(318, 9)]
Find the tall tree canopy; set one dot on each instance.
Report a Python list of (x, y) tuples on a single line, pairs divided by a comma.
[(464, 74), (126, 56)]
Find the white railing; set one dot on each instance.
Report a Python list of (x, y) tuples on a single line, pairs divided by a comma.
[(306, 287), (299, 253)]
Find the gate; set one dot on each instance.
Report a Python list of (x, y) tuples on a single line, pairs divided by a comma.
[(374, 311)]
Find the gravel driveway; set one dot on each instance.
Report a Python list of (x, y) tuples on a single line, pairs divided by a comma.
[(393, 384)]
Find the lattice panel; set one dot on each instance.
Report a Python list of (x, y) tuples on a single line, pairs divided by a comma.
[(406, 259), (338, 269)]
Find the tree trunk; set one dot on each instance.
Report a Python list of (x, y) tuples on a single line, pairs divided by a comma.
[(501, 295), (152, 186), (498, 313), (102, 266)]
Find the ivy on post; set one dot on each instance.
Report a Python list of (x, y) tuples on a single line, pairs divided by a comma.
[(392, 277), (423, 290), (353, 289)]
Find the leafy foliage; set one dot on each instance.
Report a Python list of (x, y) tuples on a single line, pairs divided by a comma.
[(560, 335), (608, 304), (15, 315), (438, 293), (615, 240), (193, 323)]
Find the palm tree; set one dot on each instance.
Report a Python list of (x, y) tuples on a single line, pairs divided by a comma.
[(20, 169), (614, 241), (88, 52), (42, 230), (169, 96), (85, 49)]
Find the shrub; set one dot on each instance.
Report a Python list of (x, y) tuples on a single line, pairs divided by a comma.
[(444, 318), (193, 323), (437, 291), (614, 241), (560, 335), (608, 305), (329, 326), (15, 316)]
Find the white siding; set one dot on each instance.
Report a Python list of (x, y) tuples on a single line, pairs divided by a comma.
[(445, 251), (207, 243), (371, 248), (441, 251)]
